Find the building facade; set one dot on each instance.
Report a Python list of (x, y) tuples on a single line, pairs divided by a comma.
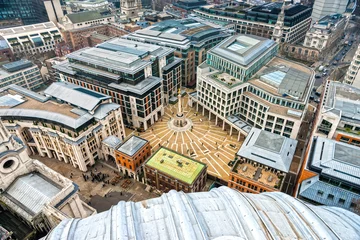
[(352, 76), (189, 38), (338, 118), (131, 155), (39, 196), (77, 27), (6, 55), (262, 163), (130, 8), (244, 85), (67, 123), (32, 39), (325, 33), (166, 170), (138, 76), (261, 20), (322, 8), (23, 73)]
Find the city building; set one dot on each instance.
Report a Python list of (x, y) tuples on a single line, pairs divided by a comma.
[(166, 170), (77, 27), (130, 8), (322, 8), (190, 39), (38, 196), (67, 123), (261, 20), (49, 73), (54, 10), (73, 6), (215, 214), (326, 33), (158, 5), (131, 155), (331, 174), (188, 5), (6, 55), (352, 76), (140, 77), (23, 73), (338, 116), (29, 11), (32, 39), (262, 163), (244, 84)]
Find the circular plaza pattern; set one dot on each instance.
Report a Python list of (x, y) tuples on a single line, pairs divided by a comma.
[(200, 139)]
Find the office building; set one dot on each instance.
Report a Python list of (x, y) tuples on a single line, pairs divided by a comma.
[(331, 174), (244, 84), (131, 155), (166, 170), (67, 123), (322, 8), (338, 117), (190, 39), (77, 27), (215, 214), (32, 39), (326, 33), (352, 76), (6, 55), (262, 163), (188, 5), (138, 76), (22, 73), (54, 10), (260, 20), (73, 6), (30, 191)]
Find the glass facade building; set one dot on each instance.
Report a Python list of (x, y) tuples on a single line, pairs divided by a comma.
[(29, 11)]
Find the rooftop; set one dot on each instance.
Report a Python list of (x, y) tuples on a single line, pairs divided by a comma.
[(87, 16), (328, 21), (16, 101), (284, 78), (343, 100), (176, 165), (27, 29), (32, 191), (243, 49), (269, 149), (335, 159), (75, 95), (112, 141), (132, 145), (13, 67), (222, 213)]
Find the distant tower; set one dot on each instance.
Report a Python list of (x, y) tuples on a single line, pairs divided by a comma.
[(130, 8), (279, 26)]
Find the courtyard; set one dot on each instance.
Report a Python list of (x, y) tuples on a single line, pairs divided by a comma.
[(205, 141)]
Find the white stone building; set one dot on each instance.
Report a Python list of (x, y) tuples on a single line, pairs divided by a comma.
[(352, 76), (41, 197), (325, 33), (32, 39), (67, 123), (244, 85), (23, 73)]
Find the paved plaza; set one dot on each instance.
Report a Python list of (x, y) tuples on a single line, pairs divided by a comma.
[(205, 142)]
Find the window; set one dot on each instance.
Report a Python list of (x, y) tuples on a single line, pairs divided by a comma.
[(341, 201), (320, 193), (330, 197)]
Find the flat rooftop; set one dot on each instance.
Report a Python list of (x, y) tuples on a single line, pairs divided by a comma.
[(269, 149), (132, 145), (284, 78), (87, 16), (27, 29), (243, 49), (335, 159), (343, 100), (32, 191), (14, 67), (176, 165)]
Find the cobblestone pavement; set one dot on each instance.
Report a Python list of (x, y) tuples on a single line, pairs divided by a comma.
[(206, 142), (88, 189)]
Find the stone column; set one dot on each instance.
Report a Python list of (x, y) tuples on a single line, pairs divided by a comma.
[(223, 126), (197, 106), (209, 115), (203, 111), (216, 120), (231, 130), (239, 136)]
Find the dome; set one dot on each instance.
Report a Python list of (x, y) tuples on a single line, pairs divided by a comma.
[(220, 214)]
